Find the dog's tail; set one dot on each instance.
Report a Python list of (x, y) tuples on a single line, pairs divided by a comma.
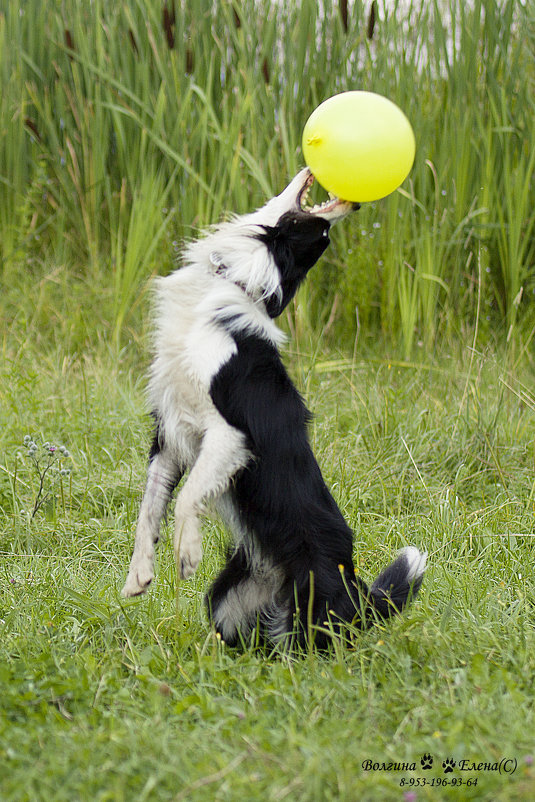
[(397, 584), (349, 601)]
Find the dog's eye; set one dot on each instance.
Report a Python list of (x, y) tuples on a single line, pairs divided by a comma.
[(324, 233)]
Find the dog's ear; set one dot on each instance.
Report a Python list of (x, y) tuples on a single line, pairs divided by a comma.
[(278, 245), (279, 248), (296, 243)]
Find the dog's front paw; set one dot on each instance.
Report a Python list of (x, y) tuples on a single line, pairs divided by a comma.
[(189, 563), (139, 577), (188, 546)]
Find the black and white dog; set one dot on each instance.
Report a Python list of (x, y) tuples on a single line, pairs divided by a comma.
[(227, 411)]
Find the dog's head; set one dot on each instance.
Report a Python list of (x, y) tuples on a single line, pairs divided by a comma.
[(298, 234), (269, 252)]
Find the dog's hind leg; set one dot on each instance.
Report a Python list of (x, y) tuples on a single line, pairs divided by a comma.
[(246, 594), (223, 452), (163, 476)]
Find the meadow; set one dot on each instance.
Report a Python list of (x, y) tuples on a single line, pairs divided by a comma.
[(125, 127)]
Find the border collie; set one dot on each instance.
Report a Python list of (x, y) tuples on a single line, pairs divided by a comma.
[(226, 410)]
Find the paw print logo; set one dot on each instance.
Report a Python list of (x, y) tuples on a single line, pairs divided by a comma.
[(426, 761), (448, 765)]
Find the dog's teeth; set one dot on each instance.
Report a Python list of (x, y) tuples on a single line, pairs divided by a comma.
[(304, 197)]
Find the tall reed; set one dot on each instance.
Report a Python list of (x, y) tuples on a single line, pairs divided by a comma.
[(126, 126)]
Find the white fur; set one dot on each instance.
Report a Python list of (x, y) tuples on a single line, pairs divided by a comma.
[(416, 562), (155, 500), (223, 452)]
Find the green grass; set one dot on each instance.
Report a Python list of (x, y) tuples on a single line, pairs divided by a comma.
[(108, 699), (121, 133)]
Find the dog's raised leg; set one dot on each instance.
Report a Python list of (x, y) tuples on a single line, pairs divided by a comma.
[(163, 476), (223, 452)]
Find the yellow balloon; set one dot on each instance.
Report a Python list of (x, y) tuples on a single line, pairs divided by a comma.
[(359, 146)]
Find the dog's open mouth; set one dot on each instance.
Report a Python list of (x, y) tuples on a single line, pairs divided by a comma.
[(332, 208)]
